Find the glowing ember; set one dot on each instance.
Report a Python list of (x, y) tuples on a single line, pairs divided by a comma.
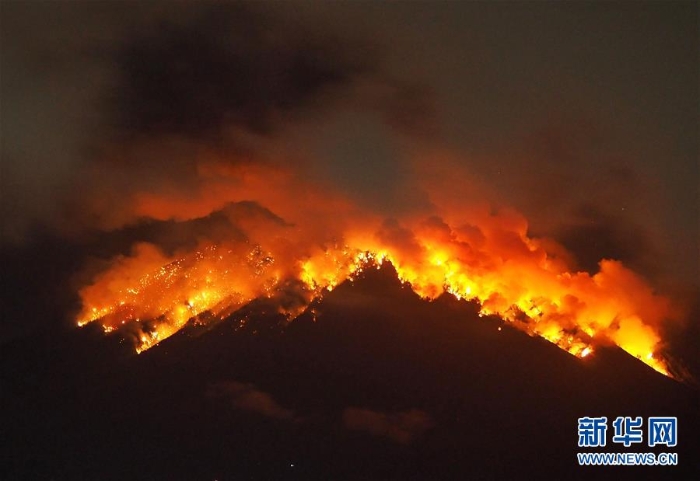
[(508, 273)]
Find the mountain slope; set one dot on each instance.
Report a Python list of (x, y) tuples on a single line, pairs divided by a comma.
[(370, 383)]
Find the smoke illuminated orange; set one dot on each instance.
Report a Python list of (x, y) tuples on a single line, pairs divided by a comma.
[(492, 261)]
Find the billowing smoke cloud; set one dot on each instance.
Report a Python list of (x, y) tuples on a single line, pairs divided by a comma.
[(402, 427), (179, 99), (593, 235), (586, 196), (207, 113), (228, 68)]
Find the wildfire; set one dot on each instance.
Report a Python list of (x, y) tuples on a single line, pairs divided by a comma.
[(509, 274)]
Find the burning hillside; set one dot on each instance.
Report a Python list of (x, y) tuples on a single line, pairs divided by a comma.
[(490, 259)]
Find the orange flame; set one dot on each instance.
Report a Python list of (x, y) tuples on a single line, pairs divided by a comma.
[(510, 274)]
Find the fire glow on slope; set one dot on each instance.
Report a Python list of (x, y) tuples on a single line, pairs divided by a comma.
[(497, 264)]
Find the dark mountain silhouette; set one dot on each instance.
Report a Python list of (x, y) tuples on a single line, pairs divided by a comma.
[(371, 382)]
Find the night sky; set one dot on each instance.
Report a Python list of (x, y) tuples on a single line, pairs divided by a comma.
[(185, 124)]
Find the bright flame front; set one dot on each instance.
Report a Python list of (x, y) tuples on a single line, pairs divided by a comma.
[(509, 274)]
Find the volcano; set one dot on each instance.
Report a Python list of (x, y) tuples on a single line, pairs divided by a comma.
[(370, 382)]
